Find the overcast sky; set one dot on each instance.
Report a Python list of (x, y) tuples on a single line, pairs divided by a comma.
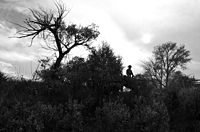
[(131, 27)]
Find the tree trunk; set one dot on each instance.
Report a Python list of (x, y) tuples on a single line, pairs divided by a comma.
[(56, 67), (58, 62)]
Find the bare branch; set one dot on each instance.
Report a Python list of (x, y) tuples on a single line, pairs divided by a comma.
[(58, 37)]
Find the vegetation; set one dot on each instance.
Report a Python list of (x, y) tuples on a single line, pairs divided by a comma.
[(85, 97), (58, 36), (86, 94), (167, 58)]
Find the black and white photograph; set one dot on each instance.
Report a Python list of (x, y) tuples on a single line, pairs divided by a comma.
[(99, 65)]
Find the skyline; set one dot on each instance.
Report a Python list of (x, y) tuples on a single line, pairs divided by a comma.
[(131, 27)]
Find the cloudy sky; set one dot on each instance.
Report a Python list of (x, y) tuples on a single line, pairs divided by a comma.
[(131, 27)]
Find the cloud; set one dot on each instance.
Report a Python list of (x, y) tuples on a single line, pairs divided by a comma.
[(11, 48), (5, 64), (18, 10), (7, 68), (193, 69), (5, 34), (20, 5), (176, 21), (107, 14), (14, 56), (126, 25), (15, 49), (137, 18)]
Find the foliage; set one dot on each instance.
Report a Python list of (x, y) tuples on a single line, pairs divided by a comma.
[(59, 37), (183, 107), (16, 116), (75, 74), (116, 116), (150, 116), (167, 58), (47, 106), (105, 70), (83, 94), (99, 75), (113, 116)]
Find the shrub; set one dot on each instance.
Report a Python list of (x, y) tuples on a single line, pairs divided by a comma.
[(113, 116), (149, 116), (22, 117), (117, 117)]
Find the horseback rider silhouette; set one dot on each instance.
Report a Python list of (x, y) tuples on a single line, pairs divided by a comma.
[(129, 72), (128, 80)]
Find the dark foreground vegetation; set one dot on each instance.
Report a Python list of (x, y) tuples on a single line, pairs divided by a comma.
[(88, 95), (84, 96)]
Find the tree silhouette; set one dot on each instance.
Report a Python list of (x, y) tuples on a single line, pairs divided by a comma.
[(167, 58), (58, 36), (105, 69), (75, 74)]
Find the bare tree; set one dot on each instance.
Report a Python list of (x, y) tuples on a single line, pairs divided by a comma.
[(167, 58), (58, 36)]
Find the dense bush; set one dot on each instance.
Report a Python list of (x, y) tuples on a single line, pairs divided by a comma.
[(48, 106), (27, 106), (85, 95), (113, 116), (117, 117), (183, 107), (16, 116), (152, 116)]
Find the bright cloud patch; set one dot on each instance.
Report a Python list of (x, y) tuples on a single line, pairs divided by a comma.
[(146, 38), (14, 56), (5, 36)]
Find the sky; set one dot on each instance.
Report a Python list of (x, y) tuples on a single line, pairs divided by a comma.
[(132, 28)]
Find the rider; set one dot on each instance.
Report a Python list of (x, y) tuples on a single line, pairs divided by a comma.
[(129, 72)]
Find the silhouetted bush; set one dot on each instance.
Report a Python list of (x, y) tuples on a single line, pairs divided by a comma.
[(16, 116), (113, 116), (183, 106), (116, 116), (150, 116)]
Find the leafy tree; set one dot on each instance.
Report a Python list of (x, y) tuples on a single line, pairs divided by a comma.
[(75, 74), (167, 58), (105, 69), (59, 37)]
